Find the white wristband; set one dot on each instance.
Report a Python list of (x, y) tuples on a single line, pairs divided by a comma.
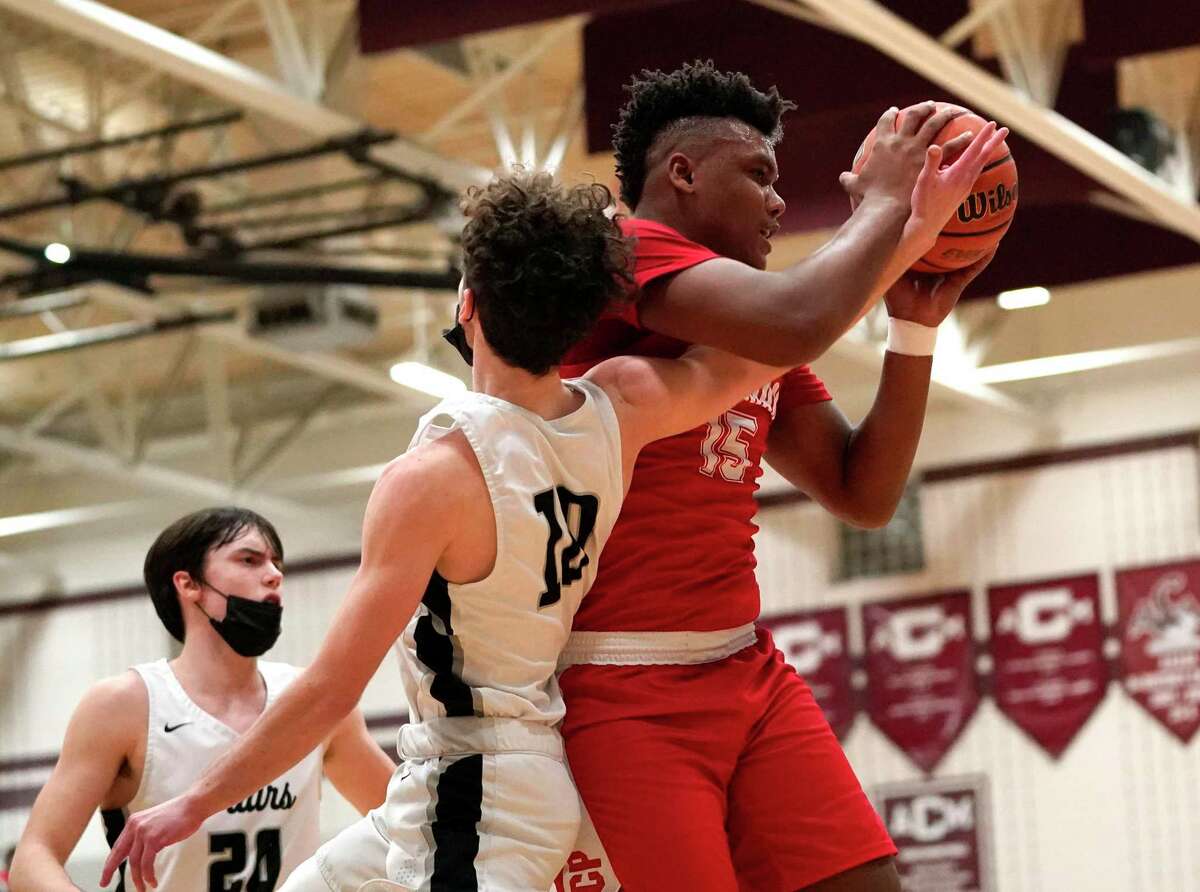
[(910, 338)]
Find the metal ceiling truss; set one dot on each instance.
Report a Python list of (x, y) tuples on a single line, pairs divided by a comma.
[(493, 73), (132, 269), (122, 432), (169, 130), (236, 83), (152, 195), (64, 341)]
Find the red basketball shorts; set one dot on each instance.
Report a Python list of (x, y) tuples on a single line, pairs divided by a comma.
[(716, 777)]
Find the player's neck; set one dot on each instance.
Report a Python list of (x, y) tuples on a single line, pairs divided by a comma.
[(667, 213), (210, 667), (543, 395)]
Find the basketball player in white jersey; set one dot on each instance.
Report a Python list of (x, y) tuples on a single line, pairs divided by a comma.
[(143, 737), (478, 545)]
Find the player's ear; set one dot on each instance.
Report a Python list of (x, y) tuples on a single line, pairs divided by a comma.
[(186, 587), (466, 306), (681, 172)]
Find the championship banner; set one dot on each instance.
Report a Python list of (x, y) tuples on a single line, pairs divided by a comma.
[(921, 684), (815, 643), (1049, 672), (942, 829), (1159, 610)]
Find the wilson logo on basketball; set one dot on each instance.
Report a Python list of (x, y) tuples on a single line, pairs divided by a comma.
[(980, 204)]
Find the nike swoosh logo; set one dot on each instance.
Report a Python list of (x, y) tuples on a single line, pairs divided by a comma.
[(169, 728)]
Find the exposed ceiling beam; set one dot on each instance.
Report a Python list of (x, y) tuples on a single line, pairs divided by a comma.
[(873, 24), (222, 76), (324, 365), (496, 83), (41, 521), (146, 476), (1069, 363)]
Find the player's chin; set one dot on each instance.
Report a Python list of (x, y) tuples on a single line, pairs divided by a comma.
[(758, 253)]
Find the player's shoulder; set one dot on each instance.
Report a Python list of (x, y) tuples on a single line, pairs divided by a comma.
[(116, 704), (427, 470), (626, 380)]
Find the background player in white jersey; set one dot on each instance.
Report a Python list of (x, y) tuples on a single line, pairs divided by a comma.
[(478, 545), (139, 739)]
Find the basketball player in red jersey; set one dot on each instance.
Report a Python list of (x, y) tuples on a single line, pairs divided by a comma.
[(702, 758)]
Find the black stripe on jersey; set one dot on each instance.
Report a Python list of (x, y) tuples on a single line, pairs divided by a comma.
[(114, 823), (436, 650), (455, 828)]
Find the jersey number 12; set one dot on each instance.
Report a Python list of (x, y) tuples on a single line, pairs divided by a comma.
[(581, 522)]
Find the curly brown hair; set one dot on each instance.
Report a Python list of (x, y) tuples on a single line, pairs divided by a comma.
[(544, 260)]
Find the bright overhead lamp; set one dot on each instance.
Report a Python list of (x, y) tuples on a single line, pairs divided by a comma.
[(428, 380), (1022, 298), (57, 252)]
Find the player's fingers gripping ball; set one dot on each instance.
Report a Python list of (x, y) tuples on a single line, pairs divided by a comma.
[(983, 218)]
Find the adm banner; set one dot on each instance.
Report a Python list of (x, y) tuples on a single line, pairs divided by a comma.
[(815, 644), (942, 829), (1159, 610), (921, 684), (1047, 647)]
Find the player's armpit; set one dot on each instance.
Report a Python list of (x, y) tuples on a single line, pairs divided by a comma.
[(101, 737)]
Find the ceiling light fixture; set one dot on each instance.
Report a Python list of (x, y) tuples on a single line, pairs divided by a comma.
[(1022, 298), (57, 252)]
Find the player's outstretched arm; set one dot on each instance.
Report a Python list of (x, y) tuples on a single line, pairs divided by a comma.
[(406, 528), (356, 765), (101, 736), (656, 398)]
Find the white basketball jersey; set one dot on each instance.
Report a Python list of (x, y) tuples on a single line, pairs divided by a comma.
[(250, 847), (490, 648)]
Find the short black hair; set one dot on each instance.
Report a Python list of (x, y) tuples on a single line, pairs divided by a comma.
[(697, 90), (185, 544), (544, 260)]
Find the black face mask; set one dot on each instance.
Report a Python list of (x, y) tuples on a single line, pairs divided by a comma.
[(249, 627), (456, 337)]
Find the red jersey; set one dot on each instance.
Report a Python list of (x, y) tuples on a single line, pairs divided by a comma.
[(681, 557)]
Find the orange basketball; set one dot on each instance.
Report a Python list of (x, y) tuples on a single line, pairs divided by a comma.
[(984, 217)]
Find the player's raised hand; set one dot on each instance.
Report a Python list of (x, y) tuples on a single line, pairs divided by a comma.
[(898, 155), (939, 189), (145, 835), (927, 298)]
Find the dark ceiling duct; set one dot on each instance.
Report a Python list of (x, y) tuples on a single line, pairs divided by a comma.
[(112, 266)]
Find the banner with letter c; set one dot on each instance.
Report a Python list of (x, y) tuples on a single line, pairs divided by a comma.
[(921, 683), (1047, 645)]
